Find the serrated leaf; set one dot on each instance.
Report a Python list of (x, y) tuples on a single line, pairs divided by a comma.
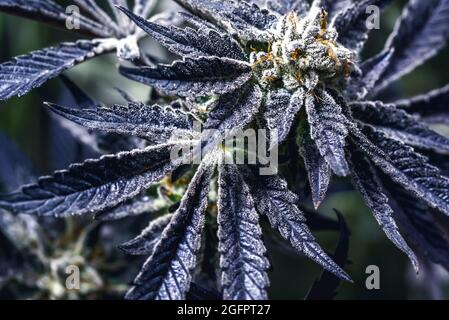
[(351, 24), (42, 8), (204, 76), (367, 183), (242, 252), (399, 125), (232, 112), (281, 108), (328, 129), (133, 207), (144, 243), (372, 69), (51, 12), (168, 272), (273, 199), (246, 20), (318, 170), (439, 160), (94, 185), (189, 42), (405, 167), (155, 123), (418, 224), (99, 142), (432, 107), (419, 35), (24, 73)]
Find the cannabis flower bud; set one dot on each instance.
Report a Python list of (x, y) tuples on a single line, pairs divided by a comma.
[(304, 52)]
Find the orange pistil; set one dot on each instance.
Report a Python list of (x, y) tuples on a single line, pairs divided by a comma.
[(323, 23), (168, 190), (295, 54), (331, 53), (346, 69), (270, 78), (298, 76)]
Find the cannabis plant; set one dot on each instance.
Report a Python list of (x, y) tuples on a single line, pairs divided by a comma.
[(293, 69)]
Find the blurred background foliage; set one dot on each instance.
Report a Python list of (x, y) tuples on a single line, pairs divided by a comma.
[(26, 120)]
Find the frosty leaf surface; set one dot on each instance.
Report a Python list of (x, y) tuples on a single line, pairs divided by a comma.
[(155, 123), (168, 271), (242, 253), (145, 242), (203, 76), (24, 73), (273, 199), (93, 185)]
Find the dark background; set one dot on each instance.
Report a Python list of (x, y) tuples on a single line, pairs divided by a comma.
[(25, 121)]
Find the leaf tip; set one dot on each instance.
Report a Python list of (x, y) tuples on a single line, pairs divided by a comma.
[(415, 263), (316, 203)]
